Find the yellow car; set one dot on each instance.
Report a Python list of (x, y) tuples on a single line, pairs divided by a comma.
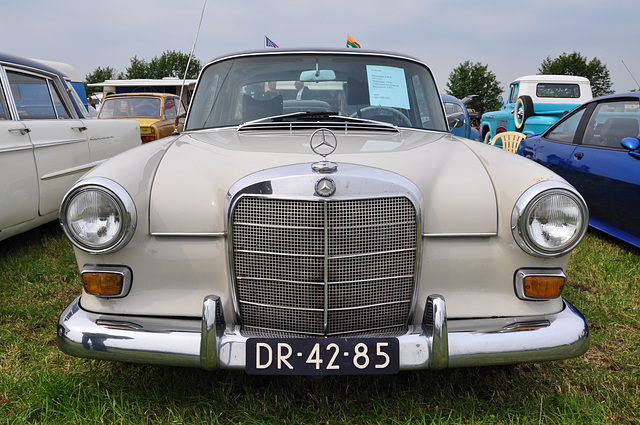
[(159, 114)]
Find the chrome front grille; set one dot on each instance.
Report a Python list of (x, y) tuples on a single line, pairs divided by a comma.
[(331, 267)]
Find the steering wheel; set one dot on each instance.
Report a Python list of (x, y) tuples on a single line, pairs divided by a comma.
[(401, 118)]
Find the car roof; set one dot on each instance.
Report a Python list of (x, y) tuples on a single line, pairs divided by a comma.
[(450, 98), (20, 61), (317, 50), (616, 95), (552, 78)]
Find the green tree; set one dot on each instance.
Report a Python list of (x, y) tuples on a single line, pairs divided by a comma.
[(169, 64), (475, 79), (138, 68), (98, 76), (173, 64), (576, 64)]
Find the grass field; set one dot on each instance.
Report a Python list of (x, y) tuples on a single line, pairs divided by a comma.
[(39, 384)]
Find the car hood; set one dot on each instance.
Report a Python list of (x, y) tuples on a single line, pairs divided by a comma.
[(197, 170)]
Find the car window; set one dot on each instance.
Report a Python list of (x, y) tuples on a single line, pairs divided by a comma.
[(170, 109), (611, 122), (130, 107), (57, 102), (565, 130), (513, 96), (36, 97), (234, 91), (558, 91), (452, 108)]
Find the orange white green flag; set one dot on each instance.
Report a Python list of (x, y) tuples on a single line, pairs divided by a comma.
[(352, 43)]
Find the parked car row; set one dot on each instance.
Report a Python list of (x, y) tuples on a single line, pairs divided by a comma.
[(276, 240), (47, 142)]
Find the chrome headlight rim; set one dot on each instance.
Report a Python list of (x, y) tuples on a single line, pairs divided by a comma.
[(123, 202), (529, 200)]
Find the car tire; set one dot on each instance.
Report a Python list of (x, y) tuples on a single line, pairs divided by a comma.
[(522, 111)]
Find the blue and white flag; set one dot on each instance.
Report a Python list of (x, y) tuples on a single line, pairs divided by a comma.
[(269, 43)]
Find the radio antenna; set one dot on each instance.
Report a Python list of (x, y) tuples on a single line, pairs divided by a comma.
[(184, 79), (634, 79)]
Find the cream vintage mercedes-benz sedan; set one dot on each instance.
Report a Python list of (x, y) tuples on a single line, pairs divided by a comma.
[(47, 142), (362, 239)]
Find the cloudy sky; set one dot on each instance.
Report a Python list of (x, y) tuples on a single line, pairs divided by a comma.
[(511, 37)]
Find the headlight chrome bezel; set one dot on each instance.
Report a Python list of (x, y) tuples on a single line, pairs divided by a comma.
[(122, 202), (527, 203)]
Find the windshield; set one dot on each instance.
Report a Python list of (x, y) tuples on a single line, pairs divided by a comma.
[(396, 91), (131, 107)]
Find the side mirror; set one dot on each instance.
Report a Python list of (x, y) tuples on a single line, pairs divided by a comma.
[(455, 120), (631, 144)]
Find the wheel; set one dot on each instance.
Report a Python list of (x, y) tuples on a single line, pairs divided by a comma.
[(523, 110), (487, 138), (401, 118)]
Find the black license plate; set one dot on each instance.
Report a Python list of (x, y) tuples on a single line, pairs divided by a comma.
[(322, 356)]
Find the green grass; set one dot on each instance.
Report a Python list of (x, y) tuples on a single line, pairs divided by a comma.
[(39, 384)]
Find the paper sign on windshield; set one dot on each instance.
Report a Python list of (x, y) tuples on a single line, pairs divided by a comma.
[(387, 86)]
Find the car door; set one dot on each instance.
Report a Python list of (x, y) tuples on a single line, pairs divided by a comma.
[(556, 147), (18, 176), (59, 140), (605, 174)]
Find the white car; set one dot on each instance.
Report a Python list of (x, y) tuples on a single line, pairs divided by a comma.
[(363, 239), (47, 142)]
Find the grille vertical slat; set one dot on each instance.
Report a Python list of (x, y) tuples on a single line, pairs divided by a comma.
[(280, 256)]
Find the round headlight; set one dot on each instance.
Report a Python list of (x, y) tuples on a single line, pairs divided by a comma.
[(98, 216), (549, 219)]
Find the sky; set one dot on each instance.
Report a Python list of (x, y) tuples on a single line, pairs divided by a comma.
[(511, 37)]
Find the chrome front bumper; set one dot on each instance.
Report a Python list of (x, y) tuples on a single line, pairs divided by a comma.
[(436, 343)]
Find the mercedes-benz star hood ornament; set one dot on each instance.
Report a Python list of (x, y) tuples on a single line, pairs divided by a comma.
[(323, 142)]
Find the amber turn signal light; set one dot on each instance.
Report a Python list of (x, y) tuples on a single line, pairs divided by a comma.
[(543, 287), (103, 284)]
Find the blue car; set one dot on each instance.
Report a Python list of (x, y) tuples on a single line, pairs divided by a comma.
[(458, 108), (595, 148)]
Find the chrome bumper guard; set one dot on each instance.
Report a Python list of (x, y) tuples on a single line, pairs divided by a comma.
[(437, 343)]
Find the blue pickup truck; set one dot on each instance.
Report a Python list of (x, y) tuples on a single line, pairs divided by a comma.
[(535, 103)]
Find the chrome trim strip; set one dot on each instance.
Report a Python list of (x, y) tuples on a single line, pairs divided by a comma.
[(63, 142), (17, 149), (459, 235), (325, 267), (468, 342), (68, 172), (203, 234), (326, 309)]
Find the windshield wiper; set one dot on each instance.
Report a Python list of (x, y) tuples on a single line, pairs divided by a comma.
[(315, 115)]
